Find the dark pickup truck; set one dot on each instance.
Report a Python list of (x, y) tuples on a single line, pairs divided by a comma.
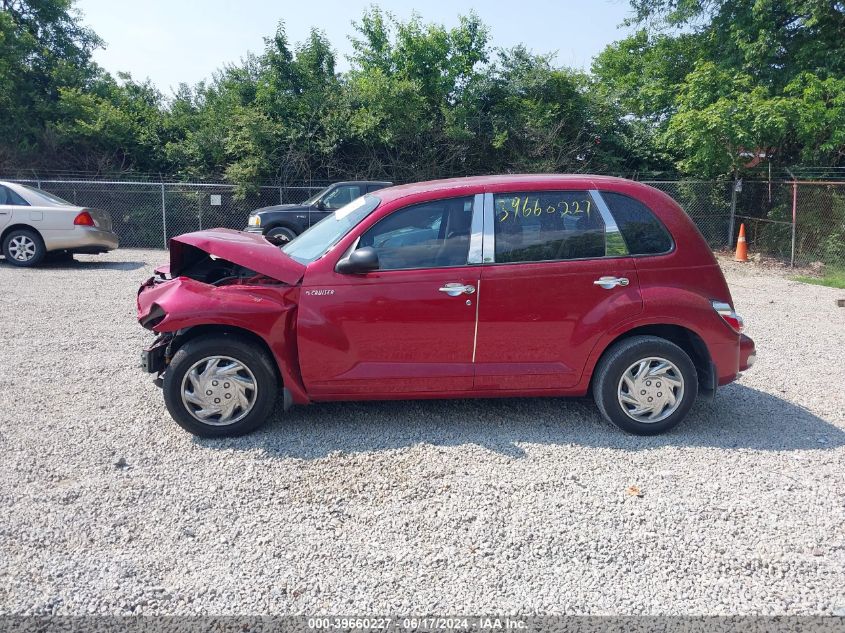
[(285, 221)]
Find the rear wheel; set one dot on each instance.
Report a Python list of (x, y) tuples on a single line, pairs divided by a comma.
[(645, 385), (282, 233), (220, 385), (23, 247)]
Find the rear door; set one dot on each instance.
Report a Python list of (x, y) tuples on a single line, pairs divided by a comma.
[(406, 328), (556, 275), (9, 201)]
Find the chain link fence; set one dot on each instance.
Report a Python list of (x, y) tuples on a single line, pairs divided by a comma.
[(801, 222), (798, 221), (146, 215)]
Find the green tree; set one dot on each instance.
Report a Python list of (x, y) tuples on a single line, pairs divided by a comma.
[(712, 80), (43, 51)]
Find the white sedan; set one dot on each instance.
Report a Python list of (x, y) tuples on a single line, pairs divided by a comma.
[(34, 223)]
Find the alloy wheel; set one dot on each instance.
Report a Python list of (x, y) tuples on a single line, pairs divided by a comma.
[(22, 248)]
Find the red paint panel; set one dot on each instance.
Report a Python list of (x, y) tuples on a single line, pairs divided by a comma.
[(538, 322), (387, 332)]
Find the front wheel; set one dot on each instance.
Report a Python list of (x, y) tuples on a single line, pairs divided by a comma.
[(220, 385), (282, 234), (645, 385)]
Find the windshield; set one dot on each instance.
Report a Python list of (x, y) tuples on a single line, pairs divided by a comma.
[(316, 241), (49, 197), (313, 199)]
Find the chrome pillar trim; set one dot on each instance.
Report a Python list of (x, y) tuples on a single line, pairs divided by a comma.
[(615, 242), (604, 210), (488, 248), (476, 230)]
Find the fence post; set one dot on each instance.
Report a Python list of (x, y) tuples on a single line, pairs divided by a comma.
[(733, 214), (794, 220), (794, 214), (199, 208), (163, 216)]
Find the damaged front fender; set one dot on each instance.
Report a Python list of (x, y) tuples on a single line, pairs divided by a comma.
[(266, 311)]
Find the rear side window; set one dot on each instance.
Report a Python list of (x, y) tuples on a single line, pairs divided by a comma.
[(547, 226), (7, 196), (644, 234), (342, 196)]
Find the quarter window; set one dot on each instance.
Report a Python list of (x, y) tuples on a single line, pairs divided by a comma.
[(547, 225), (644, 234), (429, 235)]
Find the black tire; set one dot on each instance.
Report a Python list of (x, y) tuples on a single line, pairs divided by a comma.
[(623, 355), (232, 346), (282, 232), (12, 240)]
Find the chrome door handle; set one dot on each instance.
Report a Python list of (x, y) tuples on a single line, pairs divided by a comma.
[(456, 289), (611, 282)]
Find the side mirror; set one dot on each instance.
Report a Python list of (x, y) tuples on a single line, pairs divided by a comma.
[(321, 206), (361, 260)]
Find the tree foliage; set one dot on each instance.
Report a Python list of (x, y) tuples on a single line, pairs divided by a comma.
[(716, 82), (699, 87)]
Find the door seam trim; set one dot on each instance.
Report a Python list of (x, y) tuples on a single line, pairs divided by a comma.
[(475, 333)]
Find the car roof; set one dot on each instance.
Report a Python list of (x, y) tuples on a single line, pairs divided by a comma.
[(386, 183), (475, 184)]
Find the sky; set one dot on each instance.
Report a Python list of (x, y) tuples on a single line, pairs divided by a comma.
[(174, 41)]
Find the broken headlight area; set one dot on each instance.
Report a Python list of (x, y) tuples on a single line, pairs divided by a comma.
[(216, 271)]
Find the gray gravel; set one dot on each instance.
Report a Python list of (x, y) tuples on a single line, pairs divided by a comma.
[(106, 506)]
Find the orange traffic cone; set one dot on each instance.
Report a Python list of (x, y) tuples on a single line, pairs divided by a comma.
[(741, 246)]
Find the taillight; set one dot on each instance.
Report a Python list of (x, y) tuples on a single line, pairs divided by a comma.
[(728, 315), (83, 218)]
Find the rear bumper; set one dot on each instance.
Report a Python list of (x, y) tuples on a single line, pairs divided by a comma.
[(80, 239), (733, 358), (747, 352)]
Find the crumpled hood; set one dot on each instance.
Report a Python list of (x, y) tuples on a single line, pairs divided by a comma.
[(245, 249)]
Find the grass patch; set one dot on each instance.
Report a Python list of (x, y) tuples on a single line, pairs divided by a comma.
[(833, 277)]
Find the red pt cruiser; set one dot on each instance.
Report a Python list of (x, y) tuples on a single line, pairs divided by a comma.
[(542, 285)]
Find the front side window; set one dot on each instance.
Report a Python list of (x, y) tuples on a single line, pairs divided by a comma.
[(547, 226), (316, 241), (644, 234), (341, 196), (428, 235), (9, 197)]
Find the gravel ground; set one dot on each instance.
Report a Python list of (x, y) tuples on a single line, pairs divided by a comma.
[(106, 506)]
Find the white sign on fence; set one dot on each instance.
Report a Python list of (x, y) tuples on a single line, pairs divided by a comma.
[(216, 200)]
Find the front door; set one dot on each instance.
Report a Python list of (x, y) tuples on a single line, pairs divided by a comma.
[(407, 328), (336, 198), (558, 278)]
